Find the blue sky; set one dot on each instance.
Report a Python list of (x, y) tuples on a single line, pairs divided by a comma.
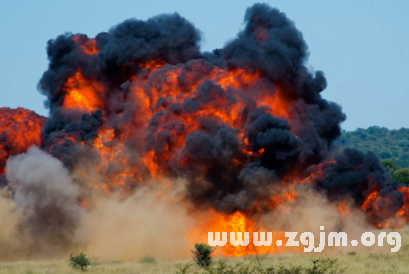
[(362, 46)]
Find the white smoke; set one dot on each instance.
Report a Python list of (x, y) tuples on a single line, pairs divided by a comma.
[(46, 199)]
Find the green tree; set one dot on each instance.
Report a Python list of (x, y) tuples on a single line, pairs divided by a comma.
[(389, 165), (386, 144), (79, 261), (402, 175), (202, 254)]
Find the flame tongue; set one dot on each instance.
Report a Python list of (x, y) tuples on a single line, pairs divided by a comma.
[(238, 223)]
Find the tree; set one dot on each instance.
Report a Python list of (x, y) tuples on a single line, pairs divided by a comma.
[(386, 144), (402, 175), (389, 165), (202, 254), (79, 261)]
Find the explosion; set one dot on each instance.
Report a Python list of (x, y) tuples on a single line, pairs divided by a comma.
[(20, 128), (242, 132)]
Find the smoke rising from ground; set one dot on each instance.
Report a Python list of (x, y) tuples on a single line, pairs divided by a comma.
[(44, 210), (45, 220)]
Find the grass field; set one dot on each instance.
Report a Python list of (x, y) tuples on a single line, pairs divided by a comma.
[(365, 263), (373, 261)]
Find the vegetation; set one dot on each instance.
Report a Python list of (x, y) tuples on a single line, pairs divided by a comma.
[(79, 261), (365, 263), (401, 175), (389, 166), (319, 266), (148, 260), (386, 144), (202, 254), (391, 146)]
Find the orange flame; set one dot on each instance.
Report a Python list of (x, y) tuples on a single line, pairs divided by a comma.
[(83, 94), (163, 83), (88, 45), (19, 128), (238, 222)]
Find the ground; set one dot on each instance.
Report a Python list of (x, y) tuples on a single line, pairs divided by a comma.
[(364, 261), (366, 264)]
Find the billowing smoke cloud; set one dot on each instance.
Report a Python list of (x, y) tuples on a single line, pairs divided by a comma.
[(116, 80), (46, 197), (360, 177), (45, 219), (140, 106)]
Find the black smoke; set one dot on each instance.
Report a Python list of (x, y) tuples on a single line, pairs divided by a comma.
[(356, 175), (173, 113), (269, 44)]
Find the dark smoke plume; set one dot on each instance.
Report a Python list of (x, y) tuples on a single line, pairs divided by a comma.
[(269, 45)]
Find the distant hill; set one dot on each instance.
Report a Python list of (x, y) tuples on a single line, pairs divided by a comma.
[(385, 143)]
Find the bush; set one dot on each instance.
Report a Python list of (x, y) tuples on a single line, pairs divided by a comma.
[(148, 260), (202, 254), (183, 269), (79, 261), (401, 175)]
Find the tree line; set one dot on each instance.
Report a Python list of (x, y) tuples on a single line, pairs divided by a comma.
[(391, 146)]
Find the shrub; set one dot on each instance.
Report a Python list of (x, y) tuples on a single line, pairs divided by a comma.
[(79, 261), (401, 175), (148, 260), (389, 165), (183, 269), (202, 254)]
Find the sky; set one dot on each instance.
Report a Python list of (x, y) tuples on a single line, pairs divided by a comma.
[(362, 46)]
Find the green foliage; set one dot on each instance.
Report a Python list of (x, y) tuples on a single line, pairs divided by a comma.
[(386, 144), (202, 254), (401, 175), (183, 269), (148, 260), (79, 261), (389, 165)]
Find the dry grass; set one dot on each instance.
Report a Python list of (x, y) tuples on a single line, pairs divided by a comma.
[(365, 264), (362, 263)]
